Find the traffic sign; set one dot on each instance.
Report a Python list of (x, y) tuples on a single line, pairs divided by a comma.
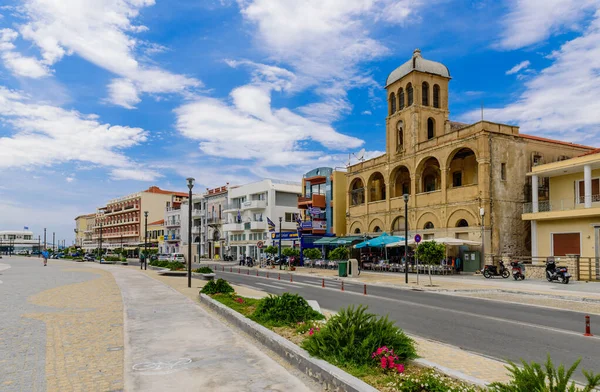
[(417, 238), (260, 244)]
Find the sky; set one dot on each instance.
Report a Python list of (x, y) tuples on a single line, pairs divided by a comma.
[(102, 98)]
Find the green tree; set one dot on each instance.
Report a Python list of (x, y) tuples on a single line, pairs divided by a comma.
[(312, 253), (339, 253), (271, 250), (289, 252), (430, 253)]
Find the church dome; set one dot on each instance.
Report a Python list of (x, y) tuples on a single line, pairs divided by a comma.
[(418, 63)]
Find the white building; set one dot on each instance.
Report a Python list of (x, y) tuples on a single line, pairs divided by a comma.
[(199, 227), (18, 240), (172, 228), (247, 209)]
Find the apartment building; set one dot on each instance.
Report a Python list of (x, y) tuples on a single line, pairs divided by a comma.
[(19, 240), (121, 221), (172, 227), (156, 235), (84, 230), (248, 207)]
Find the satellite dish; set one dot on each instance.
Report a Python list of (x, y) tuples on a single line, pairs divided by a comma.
[(361, 154)]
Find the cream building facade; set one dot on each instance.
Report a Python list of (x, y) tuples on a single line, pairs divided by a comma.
[(84, 229), (568, 222), (451, 171)]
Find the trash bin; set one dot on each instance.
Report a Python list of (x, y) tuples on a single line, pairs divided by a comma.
[(342, 269)]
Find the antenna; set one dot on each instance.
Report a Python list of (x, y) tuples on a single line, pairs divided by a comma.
[(482, 110), (361, 155)]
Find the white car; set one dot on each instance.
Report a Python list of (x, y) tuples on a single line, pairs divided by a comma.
[(163, 257), (177, 257)]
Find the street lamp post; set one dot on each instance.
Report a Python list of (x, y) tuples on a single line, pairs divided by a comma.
[(482, 214), (122, 250), (405, 196), (145, 263), (100, 244), (190, 184), (280, 263), (39, 247), (53, 242)]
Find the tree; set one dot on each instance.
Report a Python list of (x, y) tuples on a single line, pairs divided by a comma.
[(271, 250), (312, 253), (430, 253), (339, 253), (289, 252)]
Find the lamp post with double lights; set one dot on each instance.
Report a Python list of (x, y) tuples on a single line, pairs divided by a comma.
[(280, 262), (145, 263), (100, 245), (190, 184), (405, 196), (482, 214)]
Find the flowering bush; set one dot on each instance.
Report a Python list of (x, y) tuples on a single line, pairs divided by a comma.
[(303, 327), (430, 381), (239, 300), (387, 359)]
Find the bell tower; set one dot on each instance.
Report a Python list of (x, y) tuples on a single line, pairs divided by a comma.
[(417, 97)]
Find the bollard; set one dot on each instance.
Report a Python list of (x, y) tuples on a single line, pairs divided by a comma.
[(323, 284), (247, 272), (342, 285), (588, 331), (223, 268), (267, 275), (290, 277), (230, 269), (256, 272), (278, 276), (238, 270), (365, 292)]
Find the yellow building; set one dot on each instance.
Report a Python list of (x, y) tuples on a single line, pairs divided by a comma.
[(84, 229), (323, 192), (156, 235), (452, 172), (568, 222)]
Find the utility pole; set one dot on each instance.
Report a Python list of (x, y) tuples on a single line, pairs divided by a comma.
[(280, 263), (39, 247), (100, 242), (53, 241), (45, 244)]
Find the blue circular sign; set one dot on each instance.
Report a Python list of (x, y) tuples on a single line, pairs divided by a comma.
[(417, 238)]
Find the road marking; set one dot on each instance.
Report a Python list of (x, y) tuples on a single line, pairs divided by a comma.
[(270, 285)]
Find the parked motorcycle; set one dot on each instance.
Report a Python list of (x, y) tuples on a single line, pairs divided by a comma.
[(554, 272), (518, 270), (490, 271)]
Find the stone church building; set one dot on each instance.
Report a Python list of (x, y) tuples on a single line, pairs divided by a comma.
[(452, 171)]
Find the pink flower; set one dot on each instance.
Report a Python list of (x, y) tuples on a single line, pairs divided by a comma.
[(400, 368), (311, 332), (383, 362), (379, 351), (391, 362)]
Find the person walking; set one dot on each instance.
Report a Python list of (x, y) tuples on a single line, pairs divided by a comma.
[(45, 255)]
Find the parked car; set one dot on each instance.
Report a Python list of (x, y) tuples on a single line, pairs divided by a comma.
[(36, 252), (22, 253), (88, 257), (163, 257), (178, 257), (76, 254)]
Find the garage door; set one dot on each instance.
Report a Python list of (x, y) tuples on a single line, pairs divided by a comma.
[(566, 244)]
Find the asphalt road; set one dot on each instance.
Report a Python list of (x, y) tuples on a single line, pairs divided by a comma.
[(495, 329)]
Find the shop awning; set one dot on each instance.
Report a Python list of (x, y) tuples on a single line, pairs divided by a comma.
[(347, 240), (325, 241)]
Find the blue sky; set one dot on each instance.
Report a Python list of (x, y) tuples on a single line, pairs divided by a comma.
[(100, 98)]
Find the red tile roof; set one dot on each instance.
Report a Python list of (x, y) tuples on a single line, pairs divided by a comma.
[(158, 222), (155, 189), (543, 139), (596, 151)]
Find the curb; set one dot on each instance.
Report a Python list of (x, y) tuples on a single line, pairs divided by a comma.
[(330, 377)]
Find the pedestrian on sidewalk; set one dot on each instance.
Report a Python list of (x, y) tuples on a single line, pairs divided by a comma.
[(45, 255)]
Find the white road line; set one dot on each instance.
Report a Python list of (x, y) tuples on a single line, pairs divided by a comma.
[(271, 285)]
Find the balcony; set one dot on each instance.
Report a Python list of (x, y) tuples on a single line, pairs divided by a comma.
[(198, 213), (196, 229), (214, 221), (254, 205), (432, 198), (313, 201), (172, 223), (561, 208), (172, 238), (231, 207), (258, 225), (462, 193), (229, 227), (121, 210)]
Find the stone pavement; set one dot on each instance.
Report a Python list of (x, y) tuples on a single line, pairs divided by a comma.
[(60, 327), (173, 344)]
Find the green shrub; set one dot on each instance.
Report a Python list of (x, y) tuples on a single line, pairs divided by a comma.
[(548, 379), (285, 309), (217, 287), (433, 381), (204, 270), (175, 265), (339, 253), (312, 253), (351, 336), (112, 258)]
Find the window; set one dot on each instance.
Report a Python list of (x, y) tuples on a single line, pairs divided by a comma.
[(581, 191), (377, 229), (429, 183), (220, 207), (409, 92), (436, 96), (430, 128), (503, 171), (428, 226), (400, 128), (462, 223), (425, 94), (392, 103), (566, 244), (357, 231), (289, 217), (401, 98), (457, 179)]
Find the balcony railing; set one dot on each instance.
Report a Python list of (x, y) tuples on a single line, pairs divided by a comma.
[(173, 237), (254, 205), (197, 213), (196, 229), (173, 223), (561, 204)]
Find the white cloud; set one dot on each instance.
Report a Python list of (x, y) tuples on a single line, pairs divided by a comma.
[(19, 65), (562, 100), (522, 65), (70, 179), (49, 135), (134, 174), (532, 21), (251, 129), (100, 32), (366, 112)]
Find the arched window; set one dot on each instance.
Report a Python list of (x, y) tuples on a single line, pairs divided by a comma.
[(428, 226), (462, 223), (401, 98), (392, 103), (377, 229), (430, 128), (436, 96), (400, 128), (425, 94), (357, 231), (409, 92)]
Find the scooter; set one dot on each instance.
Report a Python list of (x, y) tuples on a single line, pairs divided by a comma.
[(554, 272), (518, 270), (490, 271)]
